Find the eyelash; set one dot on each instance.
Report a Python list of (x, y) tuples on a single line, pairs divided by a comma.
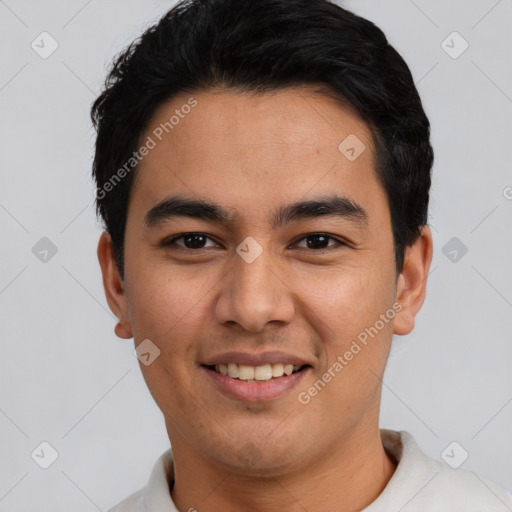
[(172, 241)]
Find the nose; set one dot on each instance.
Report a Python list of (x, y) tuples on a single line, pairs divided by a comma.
[(253, 294)]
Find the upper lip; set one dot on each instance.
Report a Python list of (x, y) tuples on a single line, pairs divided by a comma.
[(256, 359)]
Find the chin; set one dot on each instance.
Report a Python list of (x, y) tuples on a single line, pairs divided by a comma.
[(266, 465), (256, 456)]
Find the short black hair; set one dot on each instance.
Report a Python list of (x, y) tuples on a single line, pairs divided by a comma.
[(259, 46)]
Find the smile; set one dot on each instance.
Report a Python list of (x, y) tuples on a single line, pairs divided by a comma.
[(259, 383), (259, 373)]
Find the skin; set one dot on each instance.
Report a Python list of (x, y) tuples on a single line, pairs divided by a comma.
[(252, 154)]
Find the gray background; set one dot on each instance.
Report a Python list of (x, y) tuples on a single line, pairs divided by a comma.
[(67, 379)]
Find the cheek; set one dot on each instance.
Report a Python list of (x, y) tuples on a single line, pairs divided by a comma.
[(346, 301), (346, 314), (164, 305), (355, 344), (165, 311)]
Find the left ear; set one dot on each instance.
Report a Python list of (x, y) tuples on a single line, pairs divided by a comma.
[(412, 281)]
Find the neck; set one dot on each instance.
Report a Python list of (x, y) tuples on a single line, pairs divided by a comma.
[(352, 473)]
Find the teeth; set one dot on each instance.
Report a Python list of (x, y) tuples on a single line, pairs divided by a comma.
[(288, 369), (245, 372), (263, 372), (233, 370), (255, 373), (277, 370)]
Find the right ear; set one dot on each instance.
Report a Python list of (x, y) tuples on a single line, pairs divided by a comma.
[(113, 286)]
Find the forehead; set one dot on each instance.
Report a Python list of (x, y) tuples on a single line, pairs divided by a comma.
[(252, 151)]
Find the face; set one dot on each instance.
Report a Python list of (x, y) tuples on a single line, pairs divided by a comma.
[(256, 245)]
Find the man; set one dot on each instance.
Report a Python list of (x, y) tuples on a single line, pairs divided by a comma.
[(263, 172)]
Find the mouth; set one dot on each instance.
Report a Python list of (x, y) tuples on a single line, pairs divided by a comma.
[(261, 383), (256, 374)]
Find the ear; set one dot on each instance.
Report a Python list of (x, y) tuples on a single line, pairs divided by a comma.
[(412, 281), (113, 286)]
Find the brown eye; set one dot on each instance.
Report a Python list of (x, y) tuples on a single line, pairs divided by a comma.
[(319, 241), (189, 241)]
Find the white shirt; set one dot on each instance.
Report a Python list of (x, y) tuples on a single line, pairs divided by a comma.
[(419, 484)]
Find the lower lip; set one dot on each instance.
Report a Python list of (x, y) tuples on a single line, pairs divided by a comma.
[(255, 391)]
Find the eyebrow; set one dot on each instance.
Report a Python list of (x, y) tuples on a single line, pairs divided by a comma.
[(328, 206)]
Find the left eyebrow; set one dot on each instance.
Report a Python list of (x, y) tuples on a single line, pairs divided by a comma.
[(332, 206)]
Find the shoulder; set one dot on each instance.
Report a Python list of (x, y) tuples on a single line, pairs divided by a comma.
[(468, 490), (156, 495), (131, 504), (423, 483)]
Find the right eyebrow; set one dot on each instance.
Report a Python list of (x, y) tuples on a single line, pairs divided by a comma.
[(178, 206)]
